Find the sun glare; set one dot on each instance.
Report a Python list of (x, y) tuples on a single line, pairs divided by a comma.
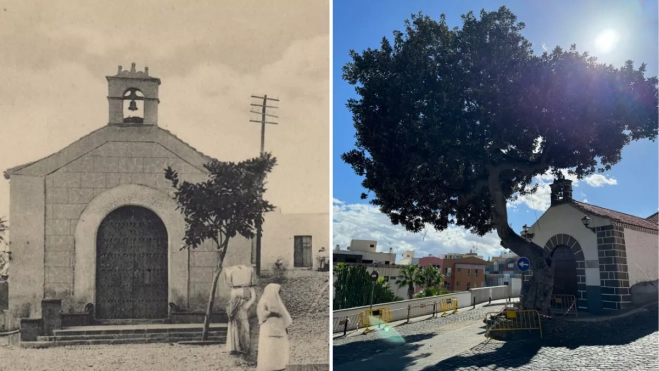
[(606, 41)]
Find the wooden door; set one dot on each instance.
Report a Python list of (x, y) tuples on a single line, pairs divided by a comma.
[(565, 271), (131, 265), (302, 253)]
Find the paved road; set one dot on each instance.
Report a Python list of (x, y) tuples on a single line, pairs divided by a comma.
[(628, 343)]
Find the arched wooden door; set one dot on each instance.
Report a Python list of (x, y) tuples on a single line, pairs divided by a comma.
[(131, 265), (565, 271)]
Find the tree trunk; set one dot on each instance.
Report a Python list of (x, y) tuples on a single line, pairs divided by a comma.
[(211, 302), (541, 284), (410, 291)]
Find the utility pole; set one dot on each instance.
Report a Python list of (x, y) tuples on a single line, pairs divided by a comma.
[(263, 121)]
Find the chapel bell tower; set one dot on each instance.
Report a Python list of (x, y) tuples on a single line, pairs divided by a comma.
[(133, 97)]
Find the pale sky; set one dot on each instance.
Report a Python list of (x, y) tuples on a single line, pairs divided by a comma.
[(211, 57)]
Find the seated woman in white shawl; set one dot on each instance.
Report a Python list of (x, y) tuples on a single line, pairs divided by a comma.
[(274, 347)]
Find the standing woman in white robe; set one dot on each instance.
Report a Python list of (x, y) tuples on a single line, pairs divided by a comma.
[(274, 348), (238, 341)]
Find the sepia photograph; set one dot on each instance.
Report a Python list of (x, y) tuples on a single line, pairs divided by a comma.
[(165, 203), (495, 185)]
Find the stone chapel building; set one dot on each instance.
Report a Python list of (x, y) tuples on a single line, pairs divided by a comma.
[(95, 223), (605, 258)]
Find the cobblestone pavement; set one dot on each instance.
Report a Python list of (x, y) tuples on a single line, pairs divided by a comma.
[(628, 343)]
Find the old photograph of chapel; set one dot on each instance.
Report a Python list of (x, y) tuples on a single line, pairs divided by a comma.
[(165, 202)]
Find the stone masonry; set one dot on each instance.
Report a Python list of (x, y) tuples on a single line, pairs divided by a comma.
[(71, 188), (614, 277)]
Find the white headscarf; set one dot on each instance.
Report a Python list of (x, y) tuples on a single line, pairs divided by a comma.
[(270, 302)]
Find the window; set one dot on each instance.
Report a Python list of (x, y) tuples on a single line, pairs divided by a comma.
[(468, 284), (457, 283), (386, 262), (475, 272), (367, 261), (459, 269), (372, 245), (448, 272), (386, 278), (468, 272), (511, 265)]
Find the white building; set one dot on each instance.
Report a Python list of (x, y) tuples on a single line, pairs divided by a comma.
[(606, 258)]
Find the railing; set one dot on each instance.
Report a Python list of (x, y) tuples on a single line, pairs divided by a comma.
[(348, 319), (512, 320), (563, 304)]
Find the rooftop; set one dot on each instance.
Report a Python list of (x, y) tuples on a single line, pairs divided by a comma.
[(649, 223)]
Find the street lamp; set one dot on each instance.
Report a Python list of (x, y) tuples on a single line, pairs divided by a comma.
[(586, 222)]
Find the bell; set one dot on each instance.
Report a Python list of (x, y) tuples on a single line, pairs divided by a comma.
[(133, 106)]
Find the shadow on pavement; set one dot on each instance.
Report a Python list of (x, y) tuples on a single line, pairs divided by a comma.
[(512, 354), (392, 350)]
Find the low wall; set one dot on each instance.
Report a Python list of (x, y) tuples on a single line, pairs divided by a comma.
[(399, 309)]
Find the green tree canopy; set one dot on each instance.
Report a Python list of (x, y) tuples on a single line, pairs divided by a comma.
[(453, 123)]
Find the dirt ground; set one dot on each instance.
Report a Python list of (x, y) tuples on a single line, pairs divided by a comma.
[(304, 293)]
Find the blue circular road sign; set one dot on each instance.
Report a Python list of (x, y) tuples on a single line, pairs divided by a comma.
[(523, 264)]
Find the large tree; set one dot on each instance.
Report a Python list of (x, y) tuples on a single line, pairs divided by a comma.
[(453, 123), (226, 205)]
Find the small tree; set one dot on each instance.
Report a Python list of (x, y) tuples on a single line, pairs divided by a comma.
[(410, 276), (4, 255), (453, 123), (228, 204), (3, 230)]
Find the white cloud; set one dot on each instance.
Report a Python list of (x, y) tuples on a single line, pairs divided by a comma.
[(540, 200), (598, 180), (544, 46), (363, 221)]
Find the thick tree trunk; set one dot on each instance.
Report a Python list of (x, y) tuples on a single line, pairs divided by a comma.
[(538, 295), (211, 302), (410, 292)]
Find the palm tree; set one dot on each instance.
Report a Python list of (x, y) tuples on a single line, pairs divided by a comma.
[(409, 276), (431, 277)]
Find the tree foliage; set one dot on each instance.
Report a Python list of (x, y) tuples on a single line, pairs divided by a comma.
[(410, 276), (352, 288), (453, 123), (228, 204), (430, 292), (3, 229), (431, 277)]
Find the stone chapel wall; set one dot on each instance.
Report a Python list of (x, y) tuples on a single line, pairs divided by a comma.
[(70, 189)]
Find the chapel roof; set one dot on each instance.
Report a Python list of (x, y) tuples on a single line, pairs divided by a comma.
[(112, 133), (654, 218), (648, 223)]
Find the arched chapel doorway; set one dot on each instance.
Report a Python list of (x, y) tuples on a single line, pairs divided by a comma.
[(131, 265), (565, 271)]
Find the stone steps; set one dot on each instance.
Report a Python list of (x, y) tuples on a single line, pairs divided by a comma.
[(159, 335), (127, 334), (81, 342)]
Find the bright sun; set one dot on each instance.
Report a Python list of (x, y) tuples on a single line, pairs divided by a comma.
[(606, 41)]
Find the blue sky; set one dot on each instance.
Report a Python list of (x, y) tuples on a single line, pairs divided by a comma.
[(630, 187)]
